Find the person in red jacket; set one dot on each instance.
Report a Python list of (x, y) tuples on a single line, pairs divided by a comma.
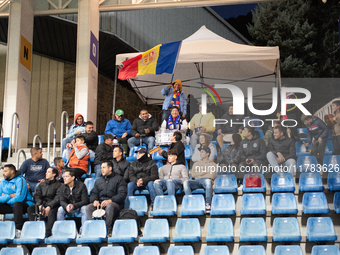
[(78, 158)]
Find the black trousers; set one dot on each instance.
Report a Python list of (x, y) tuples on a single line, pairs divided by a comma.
[(336, 144), (19, 209), (51, 218)]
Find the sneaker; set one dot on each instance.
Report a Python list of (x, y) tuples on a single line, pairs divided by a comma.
[(207, 207), (240, 187), (48, 233), (17, 233)]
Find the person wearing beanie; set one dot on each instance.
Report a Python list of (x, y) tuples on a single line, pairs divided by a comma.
[(103, 153)]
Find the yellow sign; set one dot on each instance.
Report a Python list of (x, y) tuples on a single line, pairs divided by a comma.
[(26, 53)]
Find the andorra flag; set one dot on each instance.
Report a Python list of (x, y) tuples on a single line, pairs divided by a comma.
[(158, 60)]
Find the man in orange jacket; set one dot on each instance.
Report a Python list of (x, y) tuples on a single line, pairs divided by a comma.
[(78, 158)]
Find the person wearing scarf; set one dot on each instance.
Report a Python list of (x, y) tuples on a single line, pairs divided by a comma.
[(175, 121)]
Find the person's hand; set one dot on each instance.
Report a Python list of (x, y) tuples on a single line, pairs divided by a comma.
[(147, 131), (106, 202), (203, 129), (320, 140), (41, 180), (46, 211), (137, 135), (69, 145), (124, 135), (169, 86), (140, 182), (183, 116), (69, 208), (219, 131), (250, 161), (78, 132), (281, 157), (160, 152), (289, 130), (96, 203), (12, 195)]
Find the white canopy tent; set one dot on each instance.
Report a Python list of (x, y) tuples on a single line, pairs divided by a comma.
[(209, 58)]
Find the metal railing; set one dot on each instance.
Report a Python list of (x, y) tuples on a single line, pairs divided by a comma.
[(64, 113), (17, 134), (18, 157), (49, 140), (40, 141)]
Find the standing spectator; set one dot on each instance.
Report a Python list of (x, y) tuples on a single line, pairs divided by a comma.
[(60, 165), (230, 151), (15, 197), (176, 144), (34, 169), (336, 127), (143, 128), (77, 128), (119, 127), (103, 153), (174, 96), (204, 141), (91, 138), (120, 164), (175, 121)]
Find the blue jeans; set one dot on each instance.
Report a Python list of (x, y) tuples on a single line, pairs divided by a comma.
[(202, 183), (33, 186), (290, 164), (165, 115), (149, 141), (98, 170), (172, 185), (61, 214), (132, 186)]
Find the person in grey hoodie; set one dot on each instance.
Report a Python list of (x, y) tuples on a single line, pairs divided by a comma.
[(171, 176)]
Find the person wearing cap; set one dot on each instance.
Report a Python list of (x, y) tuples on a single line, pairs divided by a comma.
[(203, 175), (120, 127), (142, 174), (103, 153), (174, 96)]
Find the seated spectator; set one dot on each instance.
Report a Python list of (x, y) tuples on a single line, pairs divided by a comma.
[(77, 128), (15, 197), (336, 127), (46, 200), (176, 144), (34, 169), (318, 130), (174, 96), (269, 133), (143, 129), (103, 153), (109, 192), (120, 164), (171, 176), (78, 158), (91, 138), (204, 141), (73, 197), (203, 175), (281, 151), (201, 124), (230, 151), (60, 165), (119, 127), (175, 121), (142, 173)]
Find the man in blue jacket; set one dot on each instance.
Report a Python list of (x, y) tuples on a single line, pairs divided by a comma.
[(15, 197), (120, 127)]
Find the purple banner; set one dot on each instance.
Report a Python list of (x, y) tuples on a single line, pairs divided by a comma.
[(94, 48)]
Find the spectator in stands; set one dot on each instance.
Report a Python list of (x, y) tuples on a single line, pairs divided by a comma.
[(175, 121), (229, 153), (233, 126), (318, 130), (336, 127), (15, 197), (269, 133), (120, 164), (77, 128), (78, 158), (119, 127), (174, 96), (103, 153), (201, 124), (281, 151), (203, 175), (143, 128), (204, 141), (60, 165), (176, 144), (73, 197), (171, 176), (91, 138), (142, 173), (192, 107), (34, 169), (46, 200), (109, 192)]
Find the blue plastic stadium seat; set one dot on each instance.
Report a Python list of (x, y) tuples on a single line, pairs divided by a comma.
[(216, 250), (78, 251), (5, 143), (89, 182), (215, 157), (63, 232), (302, 150), (314, 203), (306, 164), (181, 250), (333, 181), (133, 154), (12, 251), (159, 163), (251, 250), (331, 162), (329, 148), (225, 184), (286, 230), (325, 250), (284, 203), (187, 230), (124, 231), (253, 204), (288, 250), (156, 156), (220, 230), (223, 204), (100, 139), (192, 205), (320, 229), (141, 192), (253, 230), (146, 250), (310, 182), (187, 152), (259, 189), (33, 232), (155, 231), (282, 182), (139, 204), (94, 231), (44, 251), (164, 206), (7, 232), (261, 133), (303, 134), (336, 202), (112, 250)]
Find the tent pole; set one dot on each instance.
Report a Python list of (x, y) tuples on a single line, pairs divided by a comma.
[(115, 90)]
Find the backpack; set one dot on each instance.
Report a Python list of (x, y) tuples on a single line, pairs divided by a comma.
[(130, 214), (253, 181)]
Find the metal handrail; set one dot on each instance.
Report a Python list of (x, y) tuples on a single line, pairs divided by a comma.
[(17, 134), (64, 113), (49, 140), (18, 156), (1, 140), (40, 141)]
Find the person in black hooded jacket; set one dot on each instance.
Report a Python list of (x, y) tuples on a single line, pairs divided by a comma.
[(230, 151), (177, 145), (120, 164), (142, 174)]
